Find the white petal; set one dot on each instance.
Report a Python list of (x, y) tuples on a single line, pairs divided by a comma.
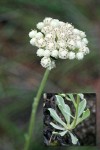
[(79, 55), (40, 25), (32, 34)]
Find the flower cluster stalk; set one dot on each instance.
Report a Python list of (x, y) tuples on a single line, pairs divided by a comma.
[(34, 109)]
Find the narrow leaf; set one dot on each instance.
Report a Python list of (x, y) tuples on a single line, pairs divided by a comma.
[(68, 98), (56, 126), (63, 95), (67, 110), (59, 100), (61, 133), (85, 115), (81, 107), (74, 139), (72, 99), (81, 95), (66, 113), (56, 117), (64, 108)]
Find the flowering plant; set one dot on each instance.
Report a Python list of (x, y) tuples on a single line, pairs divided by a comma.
[(71, 121), (57, 39)]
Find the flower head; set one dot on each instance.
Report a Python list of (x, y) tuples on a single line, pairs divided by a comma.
[(56, 39)]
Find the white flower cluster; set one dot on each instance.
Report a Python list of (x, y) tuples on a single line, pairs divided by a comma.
[(57, 39)]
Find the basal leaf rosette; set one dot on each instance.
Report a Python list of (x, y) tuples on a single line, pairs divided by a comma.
[(58, 40)]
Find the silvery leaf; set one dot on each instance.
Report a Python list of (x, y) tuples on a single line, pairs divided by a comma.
[(56, 126), (61, 133), (74, 139), (55, 116), (64, 108), (85, 115), (81, 107)]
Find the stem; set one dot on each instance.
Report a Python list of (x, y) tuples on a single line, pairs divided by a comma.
[(50, 138), (76, 115), (34, 109)]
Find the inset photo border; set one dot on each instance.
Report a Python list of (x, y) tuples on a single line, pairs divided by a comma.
[(69, 119)]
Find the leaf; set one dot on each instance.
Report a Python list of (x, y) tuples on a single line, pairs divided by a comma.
[(63, 95), (61, 133), (60, 100), (65, 112), (56, 117), (71, 98), (81, 107), (74, 139), (56, 126), (68, 98), (85, 115), (81, 95), (64, 108)]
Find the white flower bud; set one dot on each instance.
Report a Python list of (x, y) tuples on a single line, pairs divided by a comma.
[(61, 23), (39, 35), (47, 20), (78, 37), (40, 52), (85, 50), (32, 34), (46, 53), (40, 25), (33, 41), (50, 45), (82, 34), (40, 42), (80, 55), (45, 62), (52, 65), (55, 23), (76, 31), (47, 29), (61, 36), (68, 25), (72, 42), (62, 44), (85, 41), (78, 44), (63, 54), (54, 53), (71, 55), (50, 36)]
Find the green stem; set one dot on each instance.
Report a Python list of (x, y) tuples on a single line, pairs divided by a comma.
[(34, 109), (76, 115)]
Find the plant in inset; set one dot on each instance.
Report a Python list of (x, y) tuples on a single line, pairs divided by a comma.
[(67, 126)]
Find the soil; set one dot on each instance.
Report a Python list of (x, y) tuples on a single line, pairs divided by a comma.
[(85, 131)]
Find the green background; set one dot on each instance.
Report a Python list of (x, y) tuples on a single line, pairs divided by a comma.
[(21, 72)]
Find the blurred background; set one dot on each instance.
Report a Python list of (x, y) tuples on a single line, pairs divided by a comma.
[(21, 72)]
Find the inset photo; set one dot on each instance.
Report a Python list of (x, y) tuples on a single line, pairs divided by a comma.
[(69, 119)]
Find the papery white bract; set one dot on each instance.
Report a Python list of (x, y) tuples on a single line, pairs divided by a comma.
[(56, 39)]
